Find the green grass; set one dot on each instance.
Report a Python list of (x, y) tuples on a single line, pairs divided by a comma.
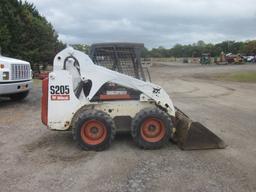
[(249, 77)]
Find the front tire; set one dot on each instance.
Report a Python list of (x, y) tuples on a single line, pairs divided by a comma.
[(93, 130), (151, 128), (19, 96)]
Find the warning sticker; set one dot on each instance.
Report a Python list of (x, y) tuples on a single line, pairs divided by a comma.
[(60, 97)]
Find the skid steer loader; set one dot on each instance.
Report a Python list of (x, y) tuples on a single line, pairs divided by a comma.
[(107, 92)]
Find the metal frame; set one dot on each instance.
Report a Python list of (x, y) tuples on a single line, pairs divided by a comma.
[(121, 57)]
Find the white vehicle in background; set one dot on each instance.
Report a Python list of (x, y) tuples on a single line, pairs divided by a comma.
[(15, 78), (250, 58)]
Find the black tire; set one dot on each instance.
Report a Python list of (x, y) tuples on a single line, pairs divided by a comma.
[(19, 96), (155, 119), (93, 120)]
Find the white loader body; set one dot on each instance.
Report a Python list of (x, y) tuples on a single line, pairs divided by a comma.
[(66, 75)]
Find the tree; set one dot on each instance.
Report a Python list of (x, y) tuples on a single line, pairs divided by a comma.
[(5, 37), (82, 47), (200, 43), (249, 48), (145, 52), (25, 34)]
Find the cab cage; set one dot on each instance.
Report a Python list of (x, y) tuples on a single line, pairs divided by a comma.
[(121, 57)]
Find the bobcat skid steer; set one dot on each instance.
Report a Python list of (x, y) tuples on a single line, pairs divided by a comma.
[(99, 95)]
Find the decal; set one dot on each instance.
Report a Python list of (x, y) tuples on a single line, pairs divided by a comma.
[(156, 90), (59, 92)]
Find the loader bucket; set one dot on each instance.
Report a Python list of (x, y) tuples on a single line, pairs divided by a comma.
[(191, 135)]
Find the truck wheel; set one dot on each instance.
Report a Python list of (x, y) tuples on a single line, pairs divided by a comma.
[(93, 130), (19, 96), (151, 128)]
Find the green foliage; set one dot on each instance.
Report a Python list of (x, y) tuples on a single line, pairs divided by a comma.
[(25, 34), (197, 49), (249, 47), (5, 37), (145, 53), (82, 47), (192, 50)]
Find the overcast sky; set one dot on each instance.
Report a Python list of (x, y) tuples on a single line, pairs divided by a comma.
[(152, 22)]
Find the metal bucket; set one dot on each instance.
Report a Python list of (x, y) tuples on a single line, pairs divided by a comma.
[(191, 135)]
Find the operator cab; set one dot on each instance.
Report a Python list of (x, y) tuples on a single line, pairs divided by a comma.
[(122, 57)]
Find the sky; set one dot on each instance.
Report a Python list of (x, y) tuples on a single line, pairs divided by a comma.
[(152, 22)]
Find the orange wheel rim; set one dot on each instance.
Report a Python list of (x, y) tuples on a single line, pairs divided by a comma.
[(152, 130), (93, 132)]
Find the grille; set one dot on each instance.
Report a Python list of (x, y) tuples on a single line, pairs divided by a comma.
[(20, 71)]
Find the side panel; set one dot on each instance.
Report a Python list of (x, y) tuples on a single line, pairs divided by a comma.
[(62, 102), (122, 108), (44, 101)]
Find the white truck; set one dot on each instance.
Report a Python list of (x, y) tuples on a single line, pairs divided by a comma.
[(15, 78)]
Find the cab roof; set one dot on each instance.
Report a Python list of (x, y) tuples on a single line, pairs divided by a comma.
[(9, 60)]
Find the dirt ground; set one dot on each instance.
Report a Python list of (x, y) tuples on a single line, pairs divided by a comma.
[(33, 158)]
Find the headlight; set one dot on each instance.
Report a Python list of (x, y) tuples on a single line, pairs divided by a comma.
[(5, 75)]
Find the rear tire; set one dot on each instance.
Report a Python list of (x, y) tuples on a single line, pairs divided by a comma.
[(19, 96), (93, 130), (151, 128)]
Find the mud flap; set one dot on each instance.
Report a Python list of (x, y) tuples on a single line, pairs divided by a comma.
[(191, 135)]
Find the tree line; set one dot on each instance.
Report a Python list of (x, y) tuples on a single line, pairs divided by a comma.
[(193, 50), (197, 49), (26, 34)]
